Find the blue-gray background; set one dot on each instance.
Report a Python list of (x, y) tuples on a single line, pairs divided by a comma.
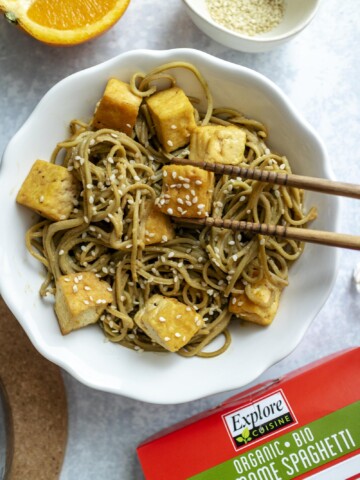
[(320, 71)]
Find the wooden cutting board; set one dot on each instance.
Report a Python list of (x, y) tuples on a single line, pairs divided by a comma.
[(35, 400)]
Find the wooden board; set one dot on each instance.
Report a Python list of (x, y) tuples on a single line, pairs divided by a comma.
[(35, 398)]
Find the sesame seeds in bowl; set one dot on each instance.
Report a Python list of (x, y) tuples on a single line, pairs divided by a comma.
[(251, 26)]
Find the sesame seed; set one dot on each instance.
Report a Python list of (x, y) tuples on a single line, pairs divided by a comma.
[(180, 200), (86, 220), (128, 125), (186, 186), (91, 199), (67, 279), (122, 298), (137, 178), (248, 211), (233, 301), (188, 309), (231, 242), (171, 254), (114, 135), (178, 316), (234, 257), (61, 252), (86, 302), (164, 173), (282, 167), (105, 270), (92, 141), (170, 143), (173, 127), (75, 288), (162, 319), (242, 198), (195, 200), (170, 211), (198, 182), (41, 199), (87, 288), (201, 206), (166, 339), (164, 238), (177, 334), (262, 241)]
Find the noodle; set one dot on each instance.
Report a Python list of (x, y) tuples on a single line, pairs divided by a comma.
[(201, 268)]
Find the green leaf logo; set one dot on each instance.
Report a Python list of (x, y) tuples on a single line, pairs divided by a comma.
[(244, 437)]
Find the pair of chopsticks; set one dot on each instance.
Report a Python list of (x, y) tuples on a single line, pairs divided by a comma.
[(279, 178)]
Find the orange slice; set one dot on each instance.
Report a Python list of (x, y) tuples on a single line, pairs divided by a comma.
[(64, 22)]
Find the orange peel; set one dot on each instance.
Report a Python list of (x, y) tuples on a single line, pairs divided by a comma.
[(64, 22)]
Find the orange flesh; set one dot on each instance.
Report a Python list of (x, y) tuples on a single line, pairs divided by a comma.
[(69, 14)]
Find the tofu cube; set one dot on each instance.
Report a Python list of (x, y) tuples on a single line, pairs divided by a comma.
[(158, 226), (243, 307), (173, 117), (168, 322), (186, 191), (118, 108), (218, 144), (80, 300), (49, 190)]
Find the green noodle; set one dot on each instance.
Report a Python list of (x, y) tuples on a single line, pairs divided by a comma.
[(105, 233)]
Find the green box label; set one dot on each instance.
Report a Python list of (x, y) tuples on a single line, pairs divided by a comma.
[(296, 452)]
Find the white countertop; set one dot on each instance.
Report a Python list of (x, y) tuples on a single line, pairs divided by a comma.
[(320, 71)]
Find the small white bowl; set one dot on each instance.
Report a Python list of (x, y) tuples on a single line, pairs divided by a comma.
[(298, 14), (161, 377)]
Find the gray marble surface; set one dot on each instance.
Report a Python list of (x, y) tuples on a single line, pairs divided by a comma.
[(320, 71)]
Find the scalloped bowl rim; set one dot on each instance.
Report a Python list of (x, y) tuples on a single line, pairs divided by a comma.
[(189, 389)]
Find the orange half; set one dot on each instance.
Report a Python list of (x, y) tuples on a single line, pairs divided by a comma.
[(64, 22)]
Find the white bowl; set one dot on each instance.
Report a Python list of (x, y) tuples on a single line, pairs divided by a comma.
[(298, 14), (155, 377)]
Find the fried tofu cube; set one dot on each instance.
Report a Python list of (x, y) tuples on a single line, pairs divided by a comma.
[(168, 322), (263, 310), (80, 300), (173, 117), (158, 226), (118, 108), (218, 144), (49, 190), (186, 191)]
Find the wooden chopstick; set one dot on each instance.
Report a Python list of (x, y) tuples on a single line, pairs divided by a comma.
[(279, 178), (331, 239)]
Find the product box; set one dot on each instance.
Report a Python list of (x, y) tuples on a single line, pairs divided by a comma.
[(304, 425)]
